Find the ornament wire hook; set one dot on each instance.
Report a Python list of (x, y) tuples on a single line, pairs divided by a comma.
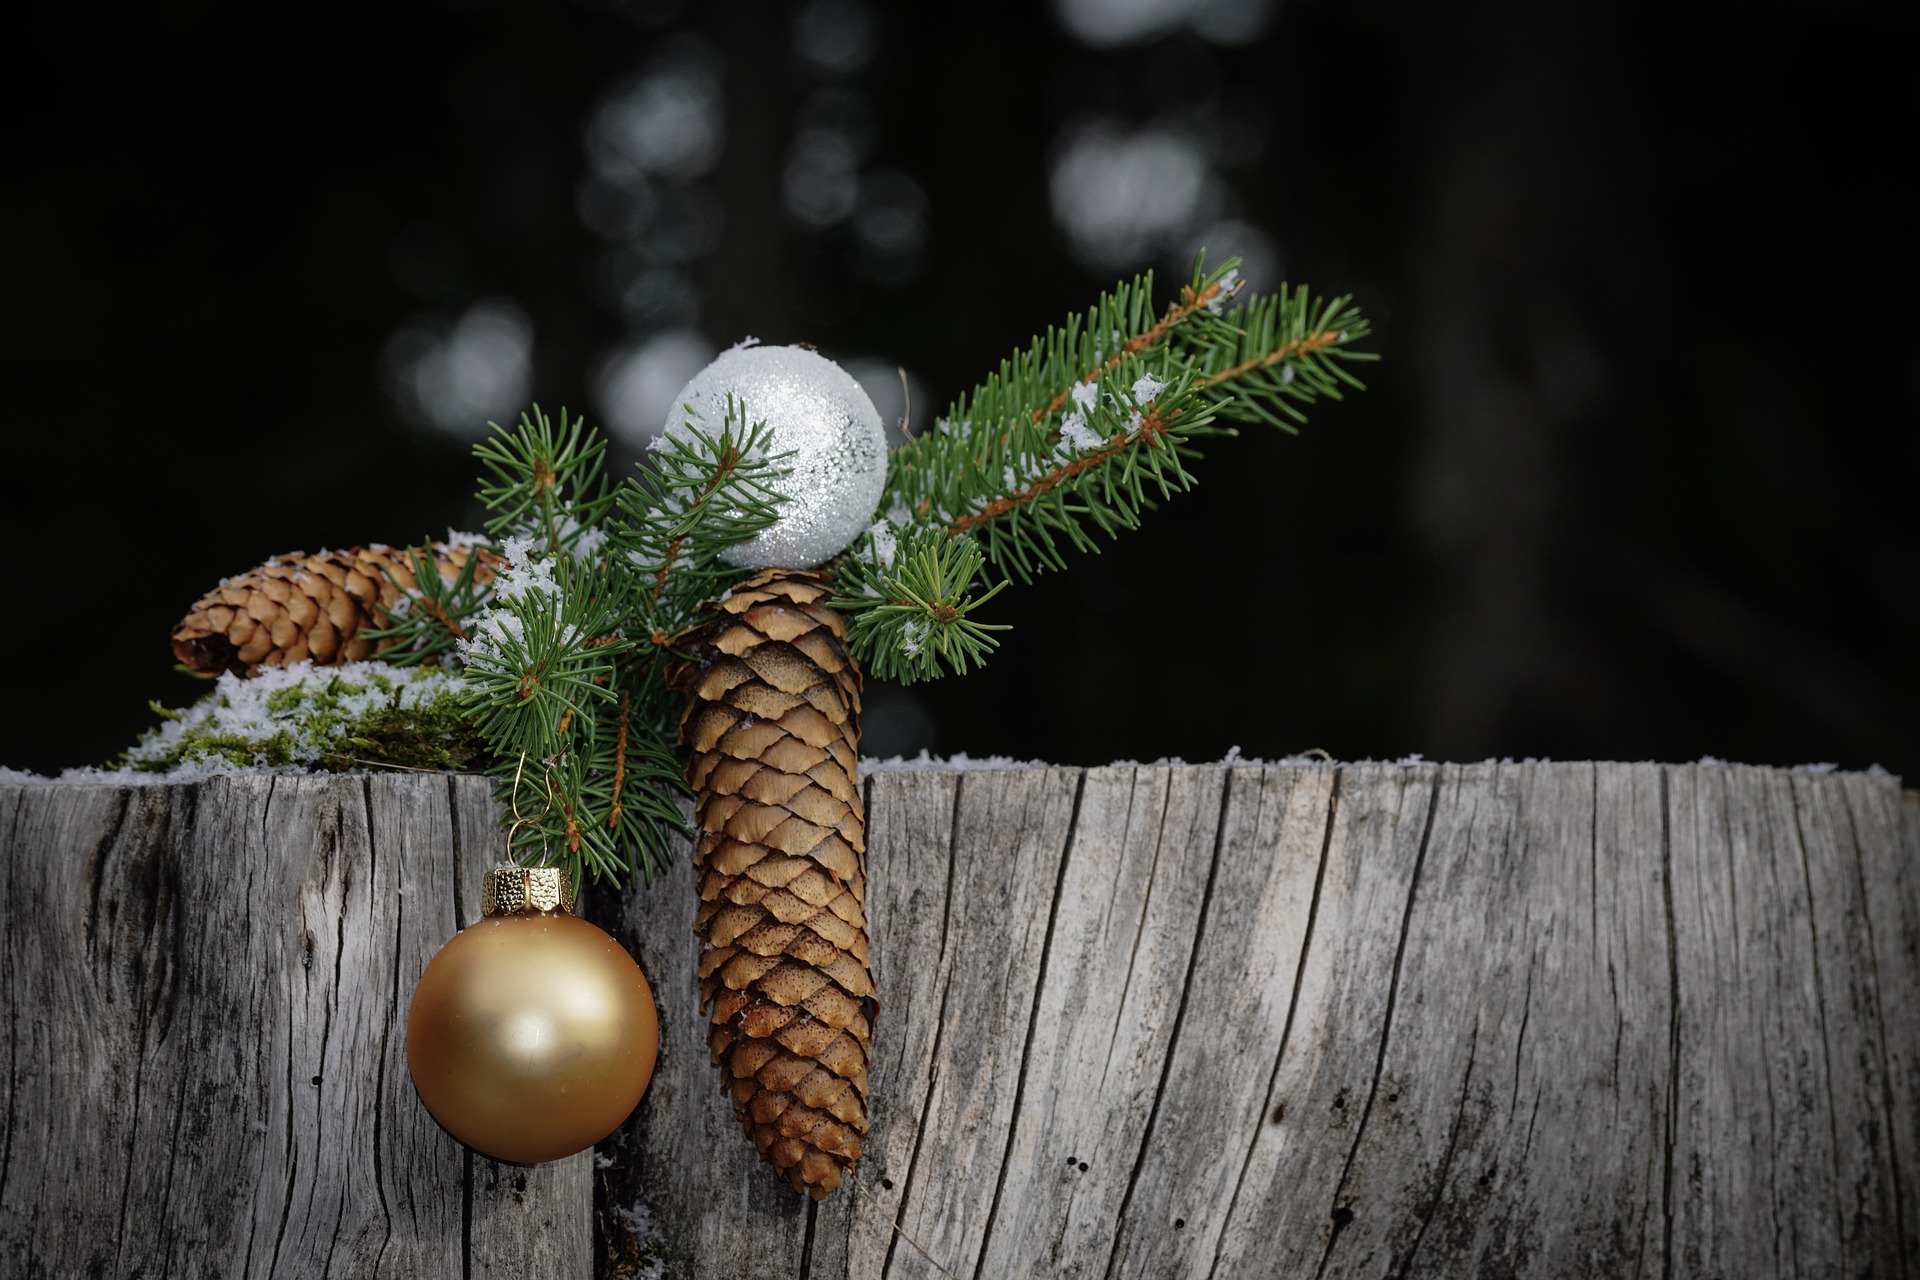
[(906, 394), (519, 770)]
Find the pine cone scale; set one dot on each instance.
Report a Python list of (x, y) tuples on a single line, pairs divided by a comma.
[(771, 724), (300, 607)]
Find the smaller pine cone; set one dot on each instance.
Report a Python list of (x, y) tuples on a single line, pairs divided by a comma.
[(772, 728), (298, 606)]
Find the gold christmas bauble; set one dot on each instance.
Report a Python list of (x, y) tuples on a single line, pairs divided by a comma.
[(532, 1033)]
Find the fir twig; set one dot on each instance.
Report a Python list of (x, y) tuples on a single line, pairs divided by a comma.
[(564, 664), (701, 494), (907, 610), (1077, 434), (547, 484), (433, 619)]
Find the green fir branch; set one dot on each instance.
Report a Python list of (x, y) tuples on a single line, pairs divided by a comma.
[(1077, 434), (565, 665), (605, 808), (908, 605), (701, 494), (547, 482), (1284, 351), (533, 669), (431, 617)]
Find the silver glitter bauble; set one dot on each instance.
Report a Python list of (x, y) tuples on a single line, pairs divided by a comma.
[(817, 415)]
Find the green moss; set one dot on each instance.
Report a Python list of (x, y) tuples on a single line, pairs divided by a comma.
[(362, 714), (432, 737)]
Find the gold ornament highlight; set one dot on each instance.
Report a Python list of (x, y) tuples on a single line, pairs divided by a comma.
[(532, 1033)]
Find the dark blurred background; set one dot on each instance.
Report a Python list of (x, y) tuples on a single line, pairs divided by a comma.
[(1631, 481)]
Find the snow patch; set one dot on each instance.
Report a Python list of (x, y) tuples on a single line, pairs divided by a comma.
[(885, 541), (1230, 285), (959, 762), (494, 630), (270, 705), (1076, 436)]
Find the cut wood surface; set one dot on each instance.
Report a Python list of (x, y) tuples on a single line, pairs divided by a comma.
[(1224, 1020)]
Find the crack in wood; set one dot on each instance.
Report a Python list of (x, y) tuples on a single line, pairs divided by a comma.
[(1872, 966), (939, 1025), (1179, 1018), (1386, 1021), (286, 1214), (393, 1005), (466, 1215), (96, 869), (1673, 1026), (173, 1151), (1432, 1208), (142, 1023), (806, 1245), (1033, 1020), (14, 1003), (1268, 1105), (1798, 831), (1520, 1041), (1593, 862), (459, 853), (1146, 906)]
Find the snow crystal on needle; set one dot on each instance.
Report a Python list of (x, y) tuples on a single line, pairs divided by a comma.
[(1076, 436), (1229, 285), (590, 541), (1086, 395), (522, 573), (1146, 387), (884, 542)]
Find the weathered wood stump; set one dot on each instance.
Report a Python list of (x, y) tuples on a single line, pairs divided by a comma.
[(1539, 1019)]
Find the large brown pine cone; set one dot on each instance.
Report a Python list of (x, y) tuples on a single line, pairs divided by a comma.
[(300, 606), (772, 726)]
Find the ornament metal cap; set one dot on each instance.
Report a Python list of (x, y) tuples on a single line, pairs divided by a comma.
[(508, 888)]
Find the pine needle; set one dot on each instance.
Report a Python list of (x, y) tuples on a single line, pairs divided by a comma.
[(898, 1229)]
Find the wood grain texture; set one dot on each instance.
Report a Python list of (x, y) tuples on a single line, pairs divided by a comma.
[(1491, 1020), (205, 995)]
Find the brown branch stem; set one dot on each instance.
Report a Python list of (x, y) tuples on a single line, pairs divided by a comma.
[(1285, 351), (1151, 425), (619, 762), (720, 473), (1177, 312)]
